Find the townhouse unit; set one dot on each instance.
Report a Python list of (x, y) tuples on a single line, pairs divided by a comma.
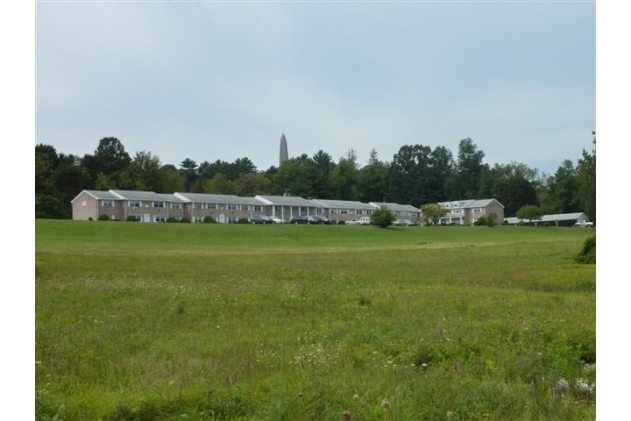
[(121, 204), (467, 212), (286, 207), (558, 219), (223, 208), (402, 212), (344, 210)]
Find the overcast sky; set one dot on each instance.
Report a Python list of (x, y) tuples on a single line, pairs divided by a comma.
[(215, 80)]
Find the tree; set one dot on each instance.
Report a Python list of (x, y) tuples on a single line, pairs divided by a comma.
[(514, 192), (373, 179), (188, 169), (432, 212), (323, 166), (468, 170), (110, 157), (344, 178), (219, 184), (251, 184), (144, 173), (295, 176), (562, 189), (382, 217), (530, 212), (586, 177)]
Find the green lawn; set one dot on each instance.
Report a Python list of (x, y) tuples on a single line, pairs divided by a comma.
[(257, 322)]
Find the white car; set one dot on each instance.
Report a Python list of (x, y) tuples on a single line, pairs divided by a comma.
[(352, 222), (364, 220), (278, 220)]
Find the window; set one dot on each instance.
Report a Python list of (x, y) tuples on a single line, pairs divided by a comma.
[(211, 206), (84, 203), (232, 220), (198, 205), (176, 206), (198, 219), (278, 209), (245, 207), (158, 204), (478, 210), (232, 206), (160, 218), (133, 203), (105, 203), (304, 210), (257, 208)]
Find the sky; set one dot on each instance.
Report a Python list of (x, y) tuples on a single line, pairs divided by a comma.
[(224, 80)]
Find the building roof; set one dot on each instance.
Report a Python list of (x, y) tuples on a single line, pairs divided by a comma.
[(170, 197), (217, 198), (576, 216), (343, 204), (288, 201), (98, 195), (396, 207), (136, 195), (468, 203)]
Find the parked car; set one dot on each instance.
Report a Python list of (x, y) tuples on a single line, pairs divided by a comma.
[(403, 222), (278, 220), (364, 220), (303, 219), (323, 220), (352, 222), (261, 219)]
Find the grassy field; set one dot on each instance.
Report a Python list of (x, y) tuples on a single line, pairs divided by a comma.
[(255, 322)]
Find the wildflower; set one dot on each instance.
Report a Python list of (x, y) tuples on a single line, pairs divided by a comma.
[(561, 386), (385, 404)]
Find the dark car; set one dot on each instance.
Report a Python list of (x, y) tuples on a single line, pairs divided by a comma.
[(323, 220), (303, 219), (261, 219)]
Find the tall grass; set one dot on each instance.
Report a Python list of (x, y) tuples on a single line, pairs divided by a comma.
[(241, 322)]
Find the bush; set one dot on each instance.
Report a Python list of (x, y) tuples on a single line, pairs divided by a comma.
[(243, 221), (132, 218), (185, 221), (171, 219), (341, 222), (209, 220), (588, 253), (103, 217), (382, 217), (489, 220)]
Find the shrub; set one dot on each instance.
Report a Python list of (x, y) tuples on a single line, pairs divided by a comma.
[(489, 220), (588, 253), (185, 221), (382, 217), (132, 218), (171, 219), (341, 222), (243, 221), (103, 217), (209, 220)]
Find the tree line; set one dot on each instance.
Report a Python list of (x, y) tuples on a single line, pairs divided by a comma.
[(416, 175)]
